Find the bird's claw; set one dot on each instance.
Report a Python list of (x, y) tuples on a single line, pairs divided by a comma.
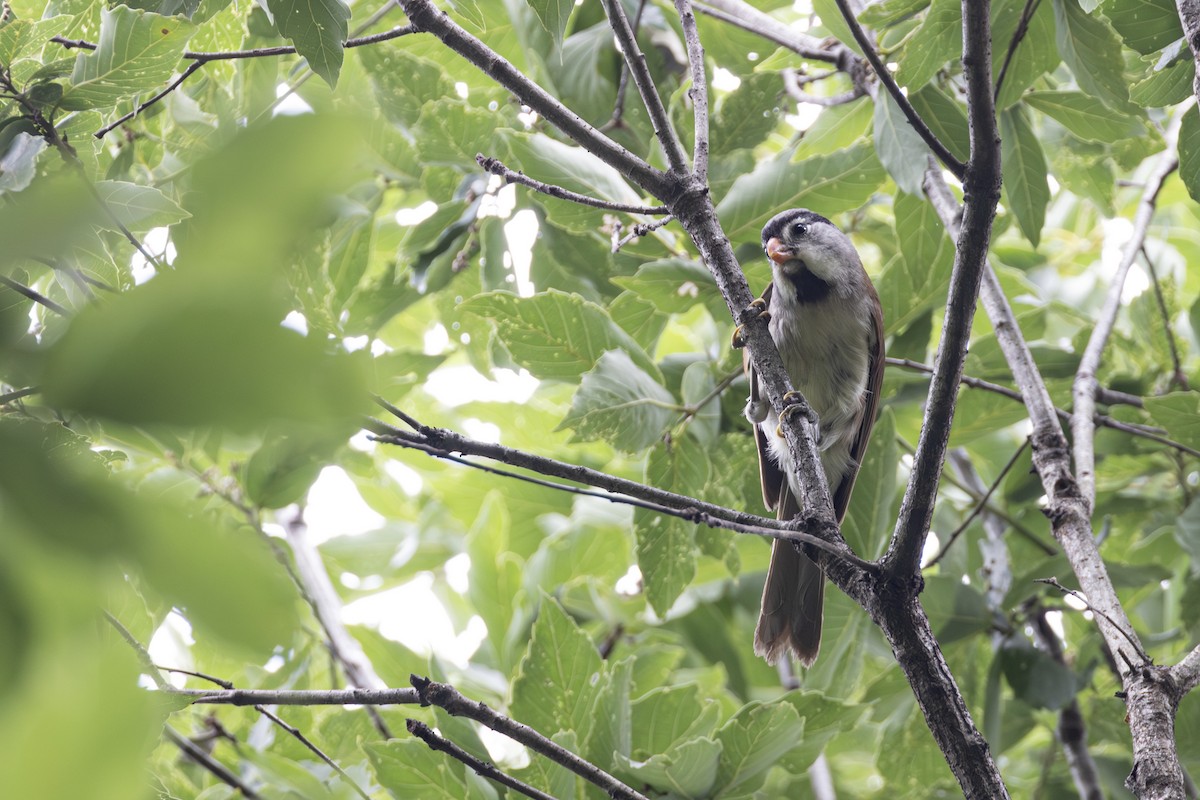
[(794, 403), (739, 338)]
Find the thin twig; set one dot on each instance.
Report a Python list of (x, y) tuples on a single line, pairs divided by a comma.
[(318, 752), (192, 68), (496, 167), (792, 83), (447, 697), (1179, 377), (490, 771), (36, 297), (639, 230), (297, 697), (1100, 613), (956, 167), (642, 79), (689, 512), (618, 116), (219, 770), (1083, 390), (9, 397), (699, 89), (748, 18), (980, 505), (1019, 34)]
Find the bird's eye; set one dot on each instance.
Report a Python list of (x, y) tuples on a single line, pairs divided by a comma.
[(799, 229)]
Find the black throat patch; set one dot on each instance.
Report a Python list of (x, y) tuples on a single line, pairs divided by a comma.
[(809, 288)]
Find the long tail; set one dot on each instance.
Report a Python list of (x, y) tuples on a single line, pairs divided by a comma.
[(793, 599)]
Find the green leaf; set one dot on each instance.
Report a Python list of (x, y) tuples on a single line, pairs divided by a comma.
[(666, 550), (1093, 52), (1178, 412), (1024, 169), (1166, 87), (139, 208), (317, 28), (935, 42), (745, 117), (495, 586), (18, 163), (888, 12), (638, 317), (686, 770), (556, 335), (946, 117), (451, 133), (1035, 677), (671, 715), (21, 37), (554, 689), (137, 52), (955, 609), (675, 286), (1145, 25), (752, 741), (1036, 53), (900, 148), (572, 168), (281, 471), (554, 15), (868, 520), (409, 768), (619, 403), (697, 386), (836, 129), (184, 353), (914, 283), (1189, 152), (1085, 116), (827, 184)]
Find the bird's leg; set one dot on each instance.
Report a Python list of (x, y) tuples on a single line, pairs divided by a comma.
[(794, 403), (756, 305)]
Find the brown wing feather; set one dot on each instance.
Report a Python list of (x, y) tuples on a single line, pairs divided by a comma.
[(866, 420)]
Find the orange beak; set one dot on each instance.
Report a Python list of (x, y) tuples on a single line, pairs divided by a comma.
[(777, 251)]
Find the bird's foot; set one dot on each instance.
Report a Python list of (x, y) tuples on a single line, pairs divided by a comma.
[(794, 403), (756, 305)]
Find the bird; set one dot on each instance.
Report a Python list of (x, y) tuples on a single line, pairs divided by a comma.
[(825, 318)]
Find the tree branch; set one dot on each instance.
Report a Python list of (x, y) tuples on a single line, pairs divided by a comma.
[(699, 90), (1083, 391), (447, 697), (425, 17), (981, 185), (1186, 673), (748, 18), (980, 505), (1178, 376), (435, 742), (956, 167), (635, 59), (36, 297), (495, 167), (297, 697), (222, 773)]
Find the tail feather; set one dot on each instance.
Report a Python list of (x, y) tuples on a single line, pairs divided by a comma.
[(793, 599)]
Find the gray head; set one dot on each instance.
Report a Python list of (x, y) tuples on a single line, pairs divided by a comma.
[(809, 251)]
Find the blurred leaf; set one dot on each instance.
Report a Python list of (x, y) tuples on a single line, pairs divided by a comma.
[(620, 403), (317, 28), (946, 117), (1024, 169), (912, 285), (868, 520), (19, 159), (138, 51), (408, 768), (1166, 87), (1035, 55), (745, 116), (675, 286), (1035, 677), (687, 770), (955, 609), (554, 15), (936, 41), (697, 387), (836, 129), (1189, 152), (1179, 413), (1085, 116), (139, 208), (280, 472)]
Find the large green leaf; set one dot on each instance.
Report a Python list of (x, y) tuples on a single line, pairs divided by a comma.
[(620, 403), (914, 283), (900, 147), (1085, 116), (827, 184), (1024, 169), (553, 14), (666, 550), (1189, 152), (139, 208), (556, 335), (1036, 52), (1145, 25), (1093, 52), (935, 42), (686, 770), (317, 28), (137, 52), (675, 286), (752, 741), (745, 117), (408, 768), (1179, 413), (868, 519)]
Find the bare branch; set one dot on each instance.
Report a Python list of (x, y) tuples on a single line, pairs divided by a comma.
[(1128, 634), (699, 90), (1083, 392), (36, 297), (792, 83), (1018, 35), (490, 771), (1187, 672), (495, 167), (296, 697), (426, 17), (639, 230), (197, 754), (914, 119), (636, 61), (748, 18), (981, 184), (447, 697)]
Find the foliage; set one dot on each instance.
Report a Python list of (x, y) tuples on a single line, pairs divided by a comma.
[(175, 415)]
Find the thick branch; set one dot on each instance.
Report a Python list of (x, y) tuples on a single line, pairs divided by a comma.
[(1189, 15), (426, 17), (1186, 673), (982, 189), (1083, 431)]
